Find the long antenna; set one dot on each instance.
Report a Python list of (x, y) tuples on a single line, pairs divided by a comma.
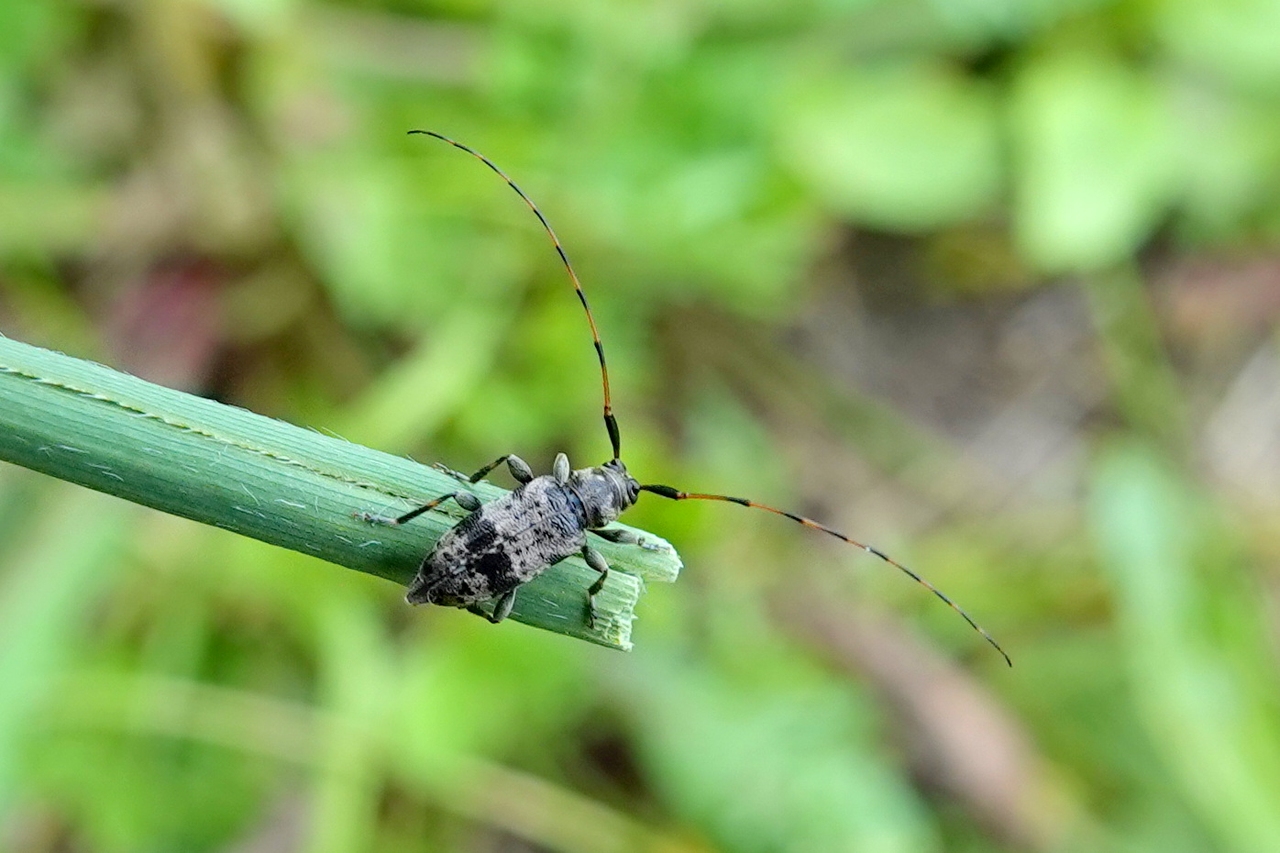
[(610, 423), (677, 495)]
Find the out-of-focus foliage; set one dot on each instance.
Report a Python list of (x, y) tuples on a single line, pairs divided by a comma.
[(994, 284)]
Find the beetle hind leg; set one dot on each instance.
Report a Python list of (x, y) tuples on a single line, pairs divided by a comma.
[(519, 469), (501, 610), (596, 561), (466, 500)]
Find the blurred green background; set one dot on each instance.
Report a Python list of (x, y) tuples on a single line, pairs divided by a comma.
[(991, 284)]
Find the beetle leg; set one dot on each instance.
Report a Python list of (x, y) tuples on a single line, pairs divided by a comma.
[(502, 609), (446, 470), (560, 468), (623, 536), (596, 561), (519, 469), (466, 500)]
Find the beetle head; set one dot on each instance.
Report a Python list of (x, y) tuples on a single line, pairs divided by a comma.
[(606, 491)]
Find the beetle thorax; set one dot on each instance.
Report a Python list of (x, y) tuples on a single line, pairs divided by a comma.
[(606, 491)]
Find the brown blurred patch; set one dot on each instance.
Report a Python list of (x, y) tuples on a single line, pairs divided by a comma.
[(1215, 299), (959, 739), (166, 325)]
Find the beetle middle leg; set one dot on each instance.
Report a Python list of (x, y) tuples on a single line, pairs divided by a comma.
[(596, 561)]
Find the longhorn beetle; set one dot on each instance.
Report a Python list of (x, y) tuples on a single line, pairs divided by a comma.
[(500, 545)]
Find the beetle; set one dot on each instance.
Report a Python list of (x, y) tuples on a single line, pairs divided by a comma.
[(503, 544)]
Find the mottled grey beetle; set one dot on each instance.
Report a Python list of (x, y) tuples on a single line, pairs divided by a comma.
[(503, 544)]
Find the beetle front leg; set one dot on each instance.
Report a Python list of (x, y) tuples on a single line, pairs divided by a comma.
[(623, 536)]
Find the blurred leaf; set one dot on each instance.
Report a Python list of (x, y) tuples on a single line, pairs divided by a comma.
[(31, 30), (464, 686), (257, 16), (1008, 19), (1234, 38), (782, 769), (905, 149), (357, 663), (1095, 160), (48, 217), (1231, 148), (395, 245), (411, 400), (117, 788), (1208, 709), (51, 581)]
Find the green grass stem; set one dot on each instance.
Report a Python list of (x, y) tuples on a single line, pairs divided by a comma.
[(273, 481)]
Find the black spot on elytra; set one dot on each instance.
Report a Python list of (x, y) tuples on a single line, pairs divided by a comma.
[(494, 565)]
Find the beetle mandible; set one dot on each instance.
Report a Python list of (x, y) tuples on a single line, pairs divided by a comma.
[(503, 544)]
